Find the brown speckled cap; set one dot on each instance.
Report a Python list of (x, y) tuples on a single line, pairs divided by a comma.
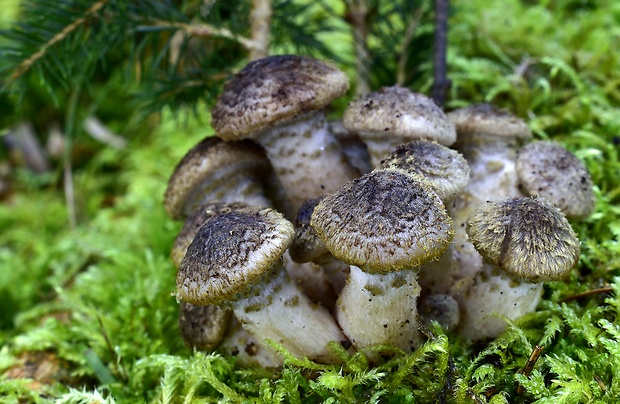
[(194, 171), (445, 169), (384, 221), (486, 119), (194, 222), (529, 238), (548, 170), (230, 253), (272, 90), (203, 327), (398, 112)]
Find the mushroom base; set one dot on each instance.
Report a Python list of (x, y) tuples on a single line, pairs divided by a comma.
[(380, 309), (492, 297), (277, 310)]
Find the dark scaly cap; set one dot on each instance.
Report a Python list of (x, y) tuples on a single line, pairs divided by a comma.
[(273, 90), (230, 253), (384, 221), (529, 238)]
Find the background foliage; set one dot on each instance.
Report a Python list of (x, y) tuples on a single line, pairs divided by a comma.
[(92, 303)]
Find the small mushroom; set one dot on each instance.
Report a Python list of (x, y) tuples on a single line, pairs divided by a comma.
[(216, 170), (524, 241), (548, 170), (236, 260), (445, 169), (385, 224), (353, 147), (394, 115), (440, 308), (307, 246), (489, 139), (279, 102)]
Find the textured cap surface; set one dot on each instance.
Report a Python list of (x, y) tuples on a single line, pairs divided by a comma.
[(195, 221), (548, 170), (274, 89), (399, 112), (211, 155), (445, 169), (384, 221), (529, 238), (203, 327), (487, 119), (306, 246), (231, 252)]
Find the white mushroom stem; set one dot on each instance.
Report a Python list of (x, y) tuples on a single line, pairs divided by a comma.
[(248, 350), (277, 310), (380, 309), (306, 157), (379, 146), (493, 177), (492, 296)]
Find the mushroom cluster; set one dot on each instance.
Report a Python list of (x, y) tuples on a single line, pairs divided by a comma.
[(305, 232)]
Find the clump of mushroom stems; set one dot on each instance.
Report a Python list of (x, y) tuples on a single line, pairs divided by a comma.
[(459, 289)]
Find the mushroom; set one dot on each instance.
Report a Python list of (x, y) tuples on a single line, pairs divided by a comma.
[(445, 169), (548, 170), (279, 101), (440, 308), (385, 224), (489, 139), (394, 115), (308, 247), (448, 174), (524, 241), (235, 260), (216, 170)]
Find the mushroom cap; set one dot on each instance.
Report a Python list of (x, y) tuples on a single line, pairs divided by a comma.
[(384, 221), (306, 245), (398, 112), (445, 169), (486, 119), (208, 157), (529, 238), (230, 253), (548, 170), (203, 327), (194, 222), (274, 90)]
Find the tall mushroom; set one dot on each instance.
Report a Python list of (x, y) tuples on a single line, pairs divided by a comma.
[(394, 115), (524, 241), (385, 224), (279, 102), (236, 260), (489, 139)]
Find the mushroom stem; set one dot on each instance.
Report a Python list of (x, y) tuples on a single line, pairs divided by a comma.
[(305, 146), (380, 309), (493, 295), (275, 309)]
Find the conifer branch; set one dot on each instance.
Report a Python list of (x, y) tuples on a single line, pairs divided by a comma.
[(24, 66), (208, 31)]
